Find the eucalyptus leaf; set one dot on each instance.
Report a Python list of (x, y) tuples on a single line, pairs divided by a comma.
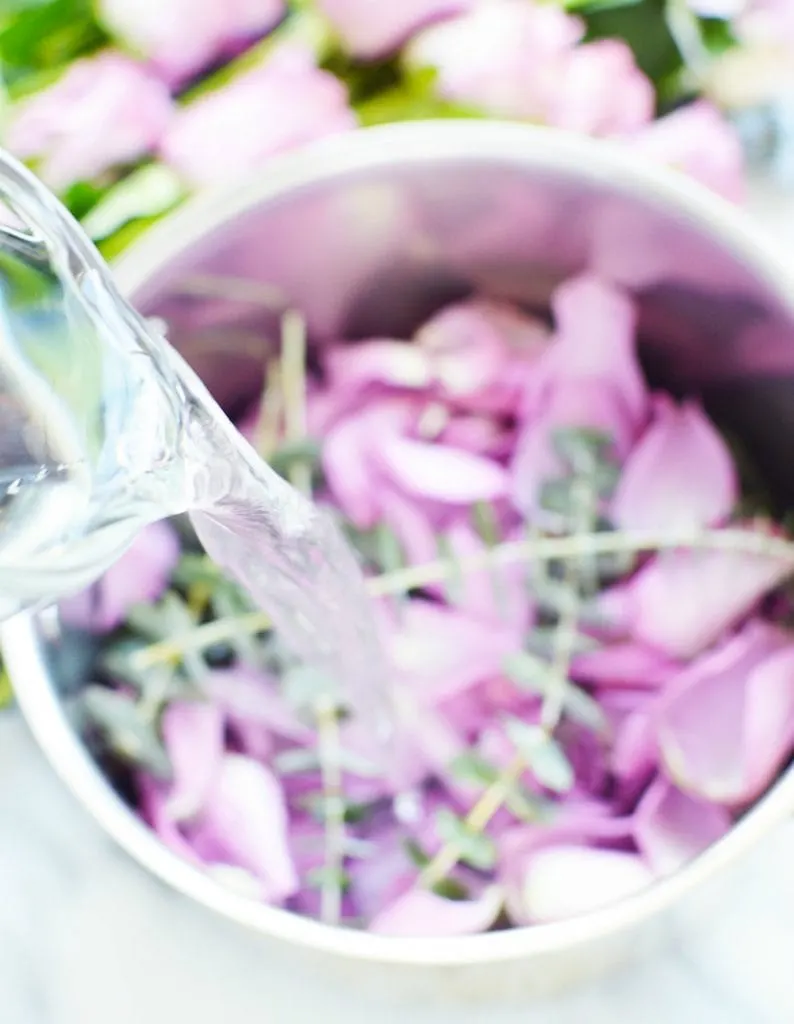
[(474, 848), (194, 568), (580, 447), (415, 853), (328, 876), (122, 662), (390, 553), (544, 756), (537, 676), (485, 523), (472, 767), (451, 889), (454, 583), (306, 451), (304, 686), (168, 618), (296, 761), (541, 641), (525, 805), (127, 731)]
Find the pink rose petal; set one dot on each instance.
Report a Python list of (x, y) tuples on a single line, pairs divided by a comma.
[(398, 364), (683, 601), (624, 664), (438, 473), (672, 828), (565, 881), (481, 351), (140, 575), (726, 725), (251, 696), (245, 823), (680, 474), (441, 652), (193, 737), (420, 913), (595, 340)]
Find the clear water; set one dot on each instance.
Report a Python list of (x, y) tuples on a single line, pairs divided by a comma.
[(104, 429)]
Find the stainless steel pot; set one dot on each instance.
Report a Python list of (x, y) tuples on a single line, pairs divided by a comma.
[(367, 234)]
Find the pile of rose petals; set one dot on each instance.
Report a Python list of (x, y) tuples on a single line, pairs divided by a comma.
[(680, 704)]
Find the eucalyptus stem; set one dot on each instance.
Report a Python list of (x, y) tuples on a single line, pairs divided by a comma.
[(499, 790), (476, 820), (582, 545), (270, 411), (509, 553), (293, 386), (205, 635), (585, 518)]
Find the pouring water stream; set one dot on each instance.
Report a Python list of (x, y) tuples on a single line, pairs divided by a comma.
[(104, 429)]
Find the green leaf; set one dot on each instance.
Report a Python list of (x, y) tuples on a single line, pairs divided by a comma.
[(643, 26), (413, 98), (148, 192), (593, 6), (545, 758), (475, 849), (119, 241), (6, 690), (37, 36), (718, 35)]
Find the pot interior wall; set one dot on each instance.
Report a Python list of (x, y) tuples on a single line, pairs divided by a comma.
[(374, 252)]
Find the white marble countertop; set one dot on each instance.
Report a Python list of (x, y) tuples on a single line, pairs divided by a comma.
[(87, 938)]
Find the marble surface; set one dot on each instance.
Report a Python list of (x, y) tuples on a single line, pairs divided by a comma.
[(87, 938)]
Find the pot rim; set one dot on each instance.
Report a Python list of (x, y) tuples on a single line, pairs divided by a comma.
[(414, 143)]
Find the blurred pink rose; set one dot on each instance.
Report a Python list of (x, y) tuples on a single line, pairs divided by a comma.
[(181, 36), (699, 141), (372, 28), (602, 91), (283, 103), (505, 57), (104, 110), (515, 58)]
